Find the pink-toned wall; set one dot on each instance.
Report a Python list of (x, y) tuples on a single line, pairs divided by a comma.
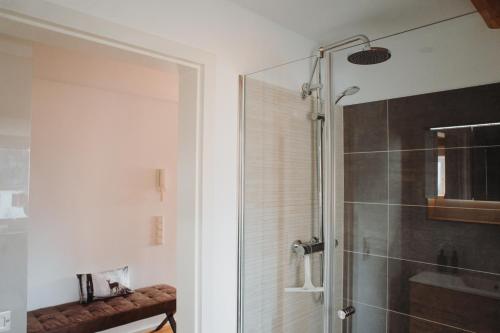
[(100, 128)]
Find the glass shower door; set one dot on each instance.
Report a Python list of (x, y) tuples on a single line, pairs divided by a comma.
[(405, 236), (417, 215), (280, 287)]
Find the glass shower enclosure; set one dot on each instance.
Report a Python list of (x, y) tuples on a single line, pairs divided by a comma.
[(370, 196)]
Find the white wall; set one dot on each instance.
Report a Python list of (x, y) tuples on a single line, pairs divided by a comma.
[(242, 42), (100, 129)]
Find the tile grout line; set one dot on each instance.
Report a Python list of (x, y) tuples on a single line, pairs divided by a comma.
[(423, 262), (418, 149), (415, 205), (388, 223)]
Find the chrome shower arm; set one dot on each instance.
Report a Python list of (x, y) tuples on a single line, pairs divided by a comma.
[(307, 87), (343, 42)]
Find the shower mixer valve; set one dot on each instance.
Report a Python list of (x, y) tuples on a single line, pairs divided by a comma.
[(314, 245), (305, 250)]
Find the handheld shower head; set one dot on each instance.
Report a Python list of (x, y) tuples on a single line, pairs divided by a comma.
[(351, 91), (348, 92)]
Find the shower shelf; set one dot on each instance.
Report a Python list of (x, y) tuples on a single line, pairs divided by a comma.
[(304, 290), (308, 286)]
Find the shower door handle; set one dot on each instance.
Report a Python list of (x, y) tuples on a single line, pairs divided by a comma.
[(346, 312)]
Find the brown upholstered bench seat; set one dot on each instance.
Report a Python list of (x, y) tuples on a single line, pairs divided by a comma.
[(104, 314)]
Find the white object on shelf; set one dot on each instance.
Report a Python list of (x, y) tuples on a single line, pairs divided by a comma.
[(308, 286)]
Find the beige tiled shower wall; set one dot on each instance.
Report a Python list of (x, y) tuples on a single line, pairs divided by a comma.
[(280, 206)]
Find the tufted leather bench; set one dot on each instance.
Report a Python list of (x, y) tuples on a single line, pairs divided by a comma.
[(104, 314)]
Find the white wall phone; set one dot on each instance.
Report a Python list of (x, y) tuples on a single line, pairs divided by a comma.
[(161, 182)]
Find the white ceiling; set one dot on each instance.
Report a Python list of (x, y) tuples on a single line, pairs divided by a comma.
[(330, 20)]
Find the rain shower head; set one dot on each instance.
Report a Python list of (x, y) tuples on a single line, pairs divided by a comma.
[(370, 56), (348, 92)]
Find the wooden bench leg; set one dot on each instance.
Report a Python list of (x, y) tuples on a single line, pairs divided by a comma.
[(171, 320), (161, 325)]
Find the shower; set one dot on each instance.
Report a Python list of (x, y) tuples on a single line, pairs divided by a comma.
[(343, 176), (348, 92), (369, 55)]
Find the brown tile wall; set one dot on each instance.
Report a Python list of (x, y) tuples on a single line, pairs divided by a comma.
[(391, 245)]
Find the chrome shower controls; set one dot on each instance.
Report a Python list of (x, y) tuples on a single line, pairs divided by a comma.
[(314, 245)]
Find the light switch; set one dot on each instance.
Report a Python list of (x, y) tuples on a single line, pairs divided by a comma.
[(158, 232), (5, 321)]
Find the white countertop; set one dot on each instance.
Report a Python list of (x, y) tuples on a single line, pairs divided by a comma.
[(481, 286)]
